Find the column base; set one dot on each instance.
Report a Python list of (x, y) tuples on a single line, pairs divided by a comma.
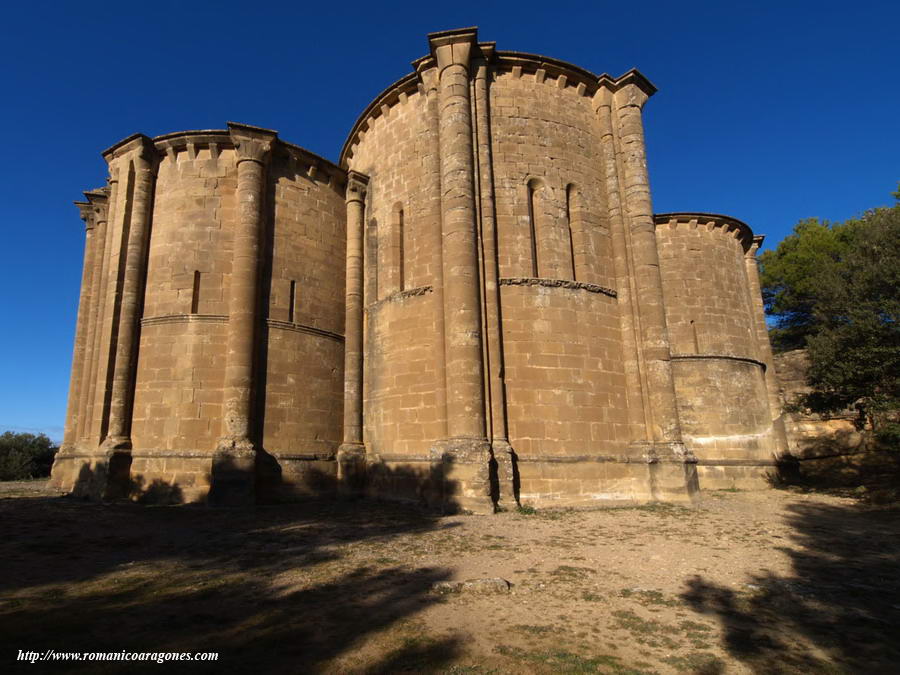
[(466, 466), (112, 470), (60, 472), (233, 474), (97, 473), (351, 469), (507, 473), (671, 470)]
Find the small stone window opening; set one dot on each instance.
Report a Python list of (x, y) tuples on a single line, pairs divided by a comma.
[(292, 301), (533, 187), (195, 293), (570, 190), (373, 262), (401, 253), (696, 339)]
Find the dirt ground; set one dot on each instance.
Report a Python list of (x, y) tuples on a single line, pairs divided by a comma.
[(764, 582)]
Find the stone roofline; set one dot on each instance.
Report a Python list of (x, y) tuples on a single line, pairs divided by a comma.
[(712, 221), (584, 81), (221, 138)]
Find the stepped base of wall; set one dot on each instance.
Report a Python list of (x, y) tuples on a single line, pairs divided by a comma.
[(468, 477), (735, 474), (95, 474), (594, 481)]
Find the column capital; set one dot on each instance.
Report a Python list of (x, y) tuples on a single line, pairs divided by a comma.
[(252, 144), (633, 89), (86, 212), (426, 69), (485, 55), (756, 242), (138, 148), (93, 211), (453, 47), (99, 201), (357, 185)]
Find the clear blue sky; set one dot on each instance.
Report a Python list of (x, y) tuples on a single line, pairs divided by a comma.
[(767, 111)]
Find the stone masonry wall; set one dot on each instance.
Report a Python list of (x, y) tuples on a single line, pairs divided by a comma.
[(303, 348), (565, 387), (178, 391), (403, 375), (477, 307), (719, 372), (545, 143)]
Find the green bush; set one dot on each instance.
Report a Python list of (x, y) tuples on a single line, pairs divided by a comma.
[(25, 456), (888, 436)]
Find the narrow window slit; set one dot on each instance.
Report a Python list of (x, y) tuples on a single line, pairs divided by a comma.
[(401, 235), (569, 224), (292, 301), (532, 229), (195, 294)]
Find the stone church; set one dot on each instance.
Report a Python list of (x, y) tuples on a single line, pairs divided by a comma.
[(475, 307)]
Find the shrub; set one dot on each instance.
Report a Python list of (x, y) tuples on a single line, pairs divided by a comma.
[(25, 456)]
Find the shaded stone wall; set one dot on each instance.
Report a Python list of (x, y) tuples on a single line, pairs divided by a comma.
[(178, 389), (403, 368)]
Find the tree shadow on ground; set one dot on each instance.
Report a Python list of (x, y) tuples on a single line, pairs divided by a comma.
[(837, 612), (283, 588)]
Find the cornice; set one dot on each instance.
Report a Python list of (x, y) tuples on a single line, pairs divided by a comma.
[(565, 74), (219, 139), (139, 144), (709, 221)]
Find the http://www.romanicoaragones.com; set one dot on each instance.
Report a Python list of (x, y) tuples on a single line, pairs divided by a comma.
[(158, 657)]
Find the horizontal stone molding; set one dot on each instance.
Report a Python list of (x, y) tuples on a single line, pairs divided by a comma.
[(184, 318), (558, 283), (302, 328), (613, 459), (400, 296), (717, 357), (208, 454), (81, 454), (375, 458), (737, 462), (305, 456), (222, 318), (173, 454)]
